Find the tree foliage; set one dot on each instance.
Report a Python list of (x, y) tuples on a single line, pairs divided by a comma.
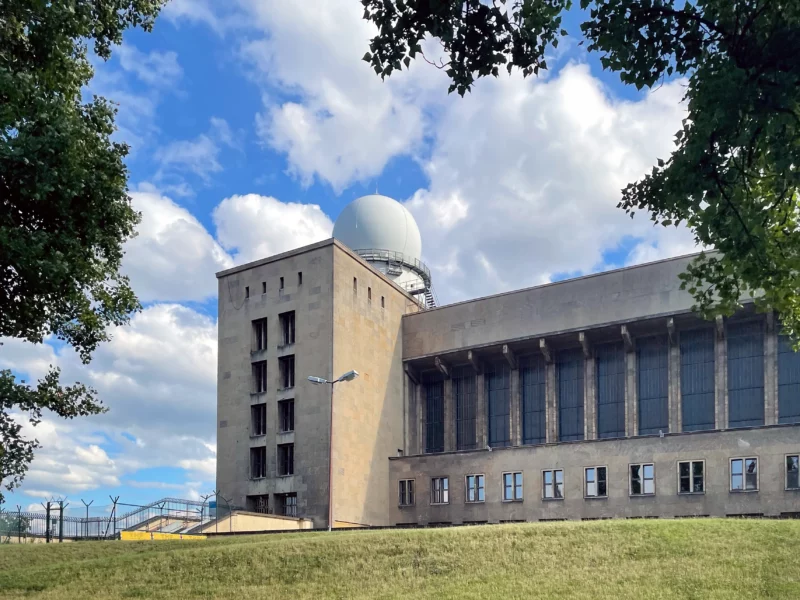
[(64, 210), (733, 178)]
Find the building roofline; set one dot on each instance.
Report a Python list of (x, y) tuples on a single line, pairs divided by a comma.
[(555, 283)]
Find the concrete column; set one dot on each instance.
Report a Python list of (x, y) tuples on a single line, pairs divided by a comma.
[(449, 417), (631, 396), (551, 403), (675, 406), (516, 413), (721, 387), (480, 420), (771, 372), (590, 398)]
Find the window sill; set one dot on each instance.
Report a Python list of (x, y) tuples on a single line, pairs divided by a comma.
[(474, 501), (691, 493), (258, 393), (743, 491), (797, 489), (402, 506), (440, 503), (552, 499), (286, 389), (257, 435), (595, 497), (286, 475), (287, 431), (514, 501), (646, 495), (257, 478)]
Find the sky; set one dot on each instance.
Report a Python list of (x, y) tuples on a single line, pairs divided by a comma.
[(252, 123)]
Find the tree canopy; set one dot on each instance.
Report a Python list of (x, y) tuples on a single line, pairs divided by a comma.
[(64, 209), (733, 178)]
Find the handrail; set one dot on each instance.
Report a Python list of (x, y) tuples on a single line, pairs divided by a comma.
[(414, 264)]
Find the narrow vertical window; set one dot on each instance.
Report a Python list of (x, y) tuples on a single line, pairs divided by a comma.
[(653, 385), (260, 377), (793, 472), (247, 291), (553, 484), (286, 415), (611, 390), (691, 477), (532, 373), (369, 295), (434, 412), (258, 462), (744, 474), (788, 382), (258, 419), (299, 278), (642, 480), (498, 403), (569, 374), (263, 287), (406, 492), (383, 302), (475, 488), (285, 459), (697, 379), (440, 493), (595, 482), (355, 286), (281, 286), (259, 335), (286, 364), (465, 397), (287, 322), (746, 374)]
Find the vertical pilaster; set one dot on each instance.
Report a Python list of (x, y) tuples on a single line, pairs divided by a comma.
[(551, 403), (631, 406), (449, 417), (771, 371), (481, 423), (420, 419), (515, 427), (674, 390), (590, 398), (721, 387)]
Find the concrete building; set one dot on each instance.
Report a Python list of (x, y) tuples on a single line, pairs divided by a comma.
[(597, 397)]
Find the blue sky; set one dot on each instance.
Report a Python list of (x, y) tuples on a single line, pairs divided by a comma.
[(252, 123)]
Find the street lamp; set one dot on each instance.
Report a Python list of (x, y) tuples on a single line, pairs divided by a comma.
[(349, 376)]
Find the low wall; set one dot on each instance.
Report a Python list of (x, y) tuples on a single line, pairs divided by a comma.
[(138, 536), (241, 521)]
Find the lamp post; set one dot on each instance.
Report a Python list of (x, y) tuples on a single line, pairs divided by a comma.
[(349, 376)]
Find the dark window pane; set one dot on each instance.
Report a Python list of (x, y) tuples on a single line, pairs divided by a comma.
[(636, 480), (434, 414), (498, 408), (532, 372), (653, 384), (793, 472), (569, 373), (788, 382), (697, 379), (601, 481), (746, 374), (465, 397), (611, 390)]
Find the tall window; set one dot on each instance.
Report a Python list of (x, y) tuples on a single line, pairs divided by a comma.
[(285, 459), (383, 302), (247, 291), (286, 364), (258, 418), (369, 295), (595, 482), (793, 472), (533, 378), (691, 477), (788, 382), (653, 384), (465, 397), (355, 286), (299, 278), (611, 390), (260, 376), (553, 484), (281, 286), (697, 379), (263, 287), (260, 335), (286, 415), (498, 392), (440, 493), (258, 462), (434, 414), (746, 374), (512, 487), (287, 504), (475, 488), (643, 480), (744, 474), (405, 492), (569, 372), (287, 328)]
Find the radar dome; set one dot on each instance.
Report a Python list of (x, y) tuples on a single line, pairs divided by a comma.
[(376, 222)]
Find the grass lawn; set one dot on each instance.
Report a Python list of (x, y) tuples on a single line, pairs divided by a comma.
[(703, 558)]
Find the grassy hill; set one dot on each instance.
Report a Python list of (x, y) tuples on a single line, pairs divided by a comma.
[(708, 559)]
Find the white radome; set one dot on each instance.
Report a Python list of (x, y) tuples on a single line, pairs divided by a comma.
[(377, 222)]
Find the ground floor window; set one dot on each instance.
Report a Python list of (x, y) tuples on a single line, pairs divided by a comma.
[(691, 477), (744, 474), (512, 487), (475, 488), (287, 504), (440, 490), (793, 472), (643, 480), (259, 504), (553, 484), (595, 482), (406, 492)]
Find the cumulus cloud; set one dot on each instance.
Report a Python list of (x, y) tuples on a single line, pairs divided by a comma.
[(158, 69), (253, 226)]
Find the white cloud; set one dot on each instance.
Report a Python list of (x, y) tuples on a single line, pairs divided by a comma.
[(173, 257), (157, 69), (254, 226)]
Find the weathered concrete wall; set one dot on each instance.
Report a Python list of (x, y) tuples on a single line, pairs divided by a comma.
[(613, 297), (249, 521), (368, 412), (313, 305), (769, 445)]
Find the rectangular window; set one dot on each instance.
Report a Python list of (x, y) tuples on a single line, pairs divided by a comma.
[(405, 493), (286, 364), (553, 484), (746, 374), (281, 286), (691, 477), (475, 488), (258, 462), (369, 295), (793, 472), (744, 474), (260, 376), (299, 278), (287, 328), (263, 287), (643, 480), (247, 291), (788, 382), (286, 415), (569, 375), (440, 493), (383, 302), (595, 482), (652, 376), (533, 378), (697, 379), (611, 390), (259, 503), (434, 413), (260, 335), (466, 397), (287, 504), (355, 286), (258, 419), (498, 404), (512, 487), (285, 459)]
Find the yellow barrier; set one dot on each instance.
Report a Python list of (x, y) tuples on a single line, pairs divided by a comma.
[(139, 536)]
